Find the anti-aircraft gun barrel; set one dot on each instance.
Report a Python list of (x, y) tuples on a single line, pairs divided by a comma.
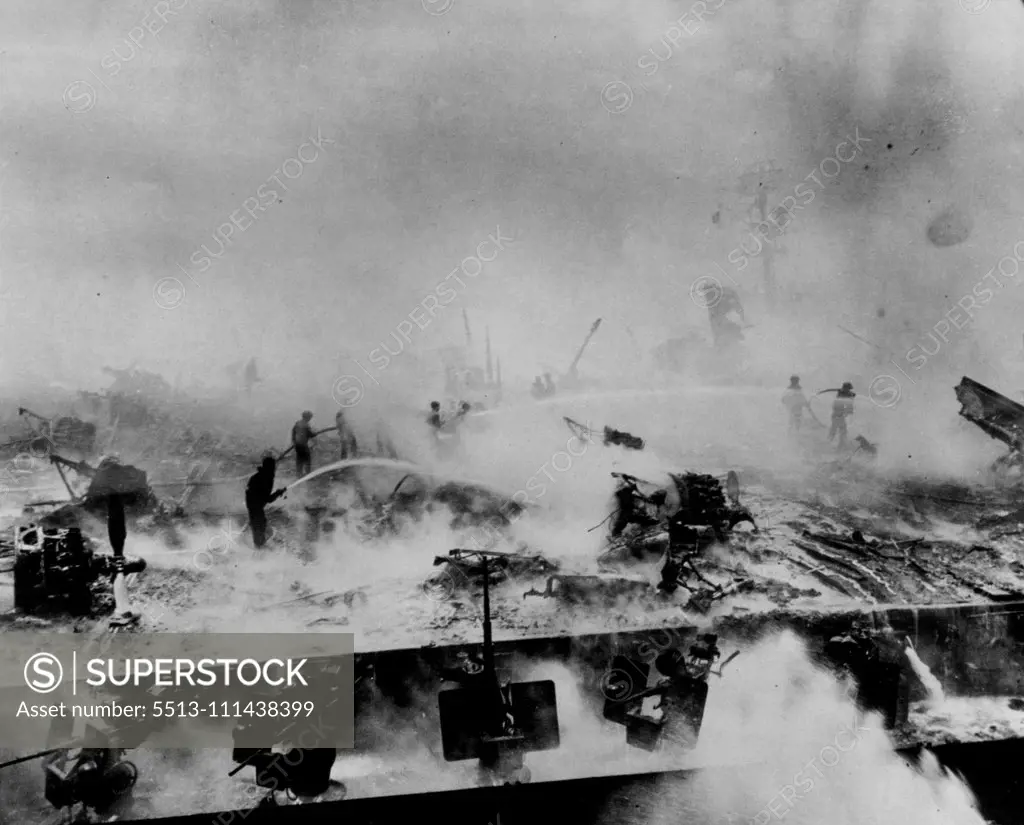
[(38, 755)]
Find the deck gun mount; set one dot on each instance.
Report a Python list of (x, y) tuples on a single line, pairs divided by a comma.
[(86, 784), (876, 662), (497, 723), (673, 705), (56, 567)]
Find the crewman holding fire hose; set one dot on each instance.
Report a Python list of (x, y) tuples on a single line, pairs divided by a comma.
[(842, 408), (259, 492), (302, 435)]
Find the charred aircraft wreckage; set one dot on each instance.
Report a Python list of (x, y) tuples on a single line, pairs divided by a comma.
[(677, 523), (485, 703)]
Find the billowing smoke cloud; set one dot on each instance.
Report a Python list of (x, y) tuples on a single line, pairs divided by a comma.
[(424, 133), (345, 165)]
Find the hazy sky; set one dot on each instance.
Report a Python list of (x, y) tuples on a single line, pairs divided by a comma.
[(444, 127)]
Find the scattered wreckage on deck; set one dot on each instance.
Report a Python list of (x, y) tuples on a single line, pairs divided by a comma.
[(610, 436), (678, 522), (418, 494), (108, 478), (469, 567), (66, 432)]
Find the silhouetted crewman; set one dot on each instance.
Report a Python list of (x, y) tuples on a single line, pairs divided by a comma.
[(259, 492), (434, 418), (453, 424), (631, 507), (302, 435), (795, 402), (724, 305), (250, 377), (346, 436)]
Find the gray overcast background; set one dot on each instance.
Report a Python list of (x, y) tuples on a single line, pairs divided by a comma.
[(446, 126)]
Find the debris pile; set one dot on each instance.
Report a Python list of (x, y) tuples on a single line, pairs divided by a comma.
[(702, 503), (601, 589), (461, 568)]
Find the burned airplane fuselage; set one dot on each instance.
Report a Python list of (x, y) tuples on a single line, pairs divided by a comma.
[(997, 416), (694, 513)]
